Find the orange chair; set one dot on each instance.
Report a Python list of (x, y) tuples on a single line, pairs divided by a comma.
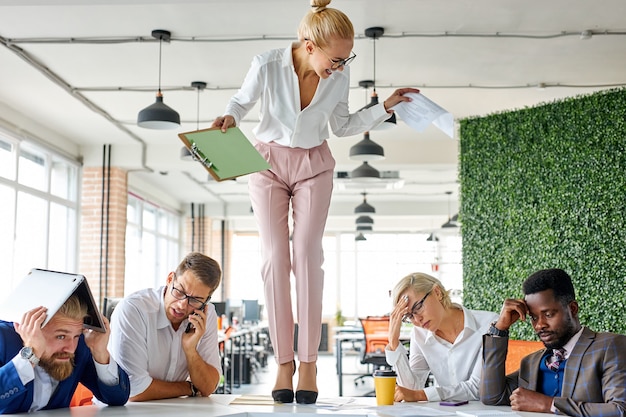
[(82, 396), (517, 350), (376, 337)]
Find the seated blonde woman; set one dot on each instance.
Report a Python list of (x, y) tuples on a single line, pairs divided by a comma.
[(446, 340)]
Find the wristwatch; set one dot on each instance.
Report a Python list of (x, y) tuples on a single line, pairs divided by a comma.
[(494, 331), (194, 390), (27, 353)]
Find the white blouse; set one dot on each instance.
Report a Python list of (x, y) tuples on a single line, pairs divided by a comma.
[(272, 79), (456, 366)]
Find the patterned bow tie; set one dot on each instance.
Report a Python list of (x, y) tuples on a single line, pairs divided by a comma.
[(555, 360)]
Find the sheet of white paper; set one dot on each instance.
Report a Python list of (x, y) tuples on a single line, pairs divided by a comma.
[(487, 413), (410, 410), (421, 111)]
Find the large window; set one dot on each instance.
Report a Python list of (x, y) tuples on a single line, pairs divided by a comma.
[(152, 244), (359, 275), (39, 210)]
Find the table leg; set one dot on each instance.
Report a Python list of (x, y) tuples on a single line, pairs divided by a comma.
[(339, 366)]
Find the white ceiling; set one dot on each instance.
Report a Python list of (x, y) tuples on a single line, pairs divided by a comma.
[(76, 73)]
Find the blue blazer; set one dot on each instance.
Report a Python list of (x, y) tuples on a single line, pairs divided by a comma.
[(594, 381), (17, 398)]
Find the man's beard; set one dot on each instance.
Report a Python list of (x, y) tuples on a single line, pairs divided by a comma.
[(58, 370), (563, 335)]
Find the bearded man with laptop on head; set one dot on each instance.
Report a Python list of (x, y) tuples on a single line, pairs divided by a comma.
[(45, 354)]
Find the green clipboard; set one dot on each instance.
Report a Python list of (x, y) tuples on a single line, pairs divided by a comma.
[(225, 155)]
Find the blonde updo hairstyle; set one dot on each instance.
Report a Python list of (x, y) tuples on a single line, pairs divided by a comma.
[(422, 283), (322, 23)]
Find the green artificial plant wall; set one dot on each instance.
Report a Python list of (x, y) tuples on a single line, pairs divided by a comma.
[(545, 187)]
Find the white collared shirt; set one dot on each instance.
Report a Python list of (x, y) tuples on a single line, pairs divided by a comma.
[(146, 345), (272, 80), (455, 366), (569, 346), (44, 385)]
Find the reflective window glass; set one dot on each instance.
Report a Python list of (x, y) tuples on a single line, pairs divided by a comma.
[(62, 237), (7, 159), (63, 178), (32, 167)]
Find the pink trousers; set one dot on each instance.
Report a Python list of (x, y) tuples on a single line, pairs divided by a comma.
[(304, 178)]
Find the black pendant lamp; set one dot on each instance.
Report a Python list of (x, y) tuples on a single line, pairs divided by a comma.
[(159, 115), (364, 228), (367, 150), (360, 237), (387, 124), (365, 173), (364, 220), (450, 222), (432, 238), (375, 33), (364, 207), (185, 153)]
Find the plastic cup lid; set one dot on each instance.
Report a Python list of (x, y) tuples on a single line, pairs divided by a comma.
[(384, 372)]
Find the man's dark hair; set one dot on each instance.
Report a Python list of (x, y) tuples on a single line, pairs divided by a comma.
[(554, 279), (204, 268)]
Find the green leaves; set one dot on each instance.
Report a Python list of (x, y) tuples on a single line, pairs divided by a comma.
[(545, 187)]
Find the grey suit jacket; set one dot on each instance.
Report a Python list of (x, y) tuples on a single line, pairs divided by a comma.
[(594, 381)]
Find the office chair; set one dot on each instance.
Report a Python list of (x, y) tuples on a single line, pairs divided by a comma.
[(109, 304), (227, 357), (375, 332)]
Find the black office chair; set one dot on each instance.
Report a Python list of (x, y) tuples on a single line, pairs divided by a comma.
[(375, 331), (108, 305)]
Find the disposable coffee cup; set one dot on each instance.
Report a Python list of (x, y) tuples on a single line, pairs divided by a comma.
[(385, 386)]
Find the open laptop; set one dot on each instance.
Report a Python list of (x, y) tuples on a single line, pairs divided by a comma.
[(50, 289)]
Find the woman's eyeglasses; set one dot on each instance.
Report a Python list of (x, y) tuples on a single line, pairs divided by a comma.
[(416, 309), (336, 63)]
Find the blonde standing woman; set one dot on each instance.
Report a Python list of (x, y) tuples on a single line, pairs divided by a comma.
[(446, 340), (301, 89)]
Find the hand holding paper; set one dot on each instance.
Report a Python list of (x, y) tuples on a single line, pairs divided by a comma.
[(421, 111)]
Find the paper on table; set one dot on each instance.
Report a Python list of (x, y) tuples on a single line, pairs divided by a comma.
[(487, 413), (411, 410), (421, 111), (333, 403), (251, 399), (325, 403)]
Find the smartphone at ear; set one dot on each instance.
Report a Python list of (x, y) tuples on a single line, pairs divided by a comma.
[(189, 327)]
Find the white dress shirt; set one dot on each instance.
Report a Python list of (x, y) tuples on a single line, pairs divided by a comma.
[(272, 80), (44, 385), (455, 366), (145, 344)]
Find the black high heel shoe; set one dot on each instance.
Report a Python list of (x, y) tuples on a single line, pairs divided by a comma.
[(304, 396), (284, 396)]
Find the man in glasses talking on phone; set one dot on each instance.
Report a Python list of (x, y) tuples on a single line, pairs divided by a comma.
[(166, 338)]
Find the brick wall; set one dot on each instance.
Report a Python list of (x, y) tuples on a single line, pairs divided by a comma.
[(91, 232), (211, 246)]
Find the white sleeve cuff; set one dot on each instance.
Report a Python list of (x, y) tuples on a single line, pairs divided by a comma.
[(432, 394), (107, 373), (392, 355), (24, 369)]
